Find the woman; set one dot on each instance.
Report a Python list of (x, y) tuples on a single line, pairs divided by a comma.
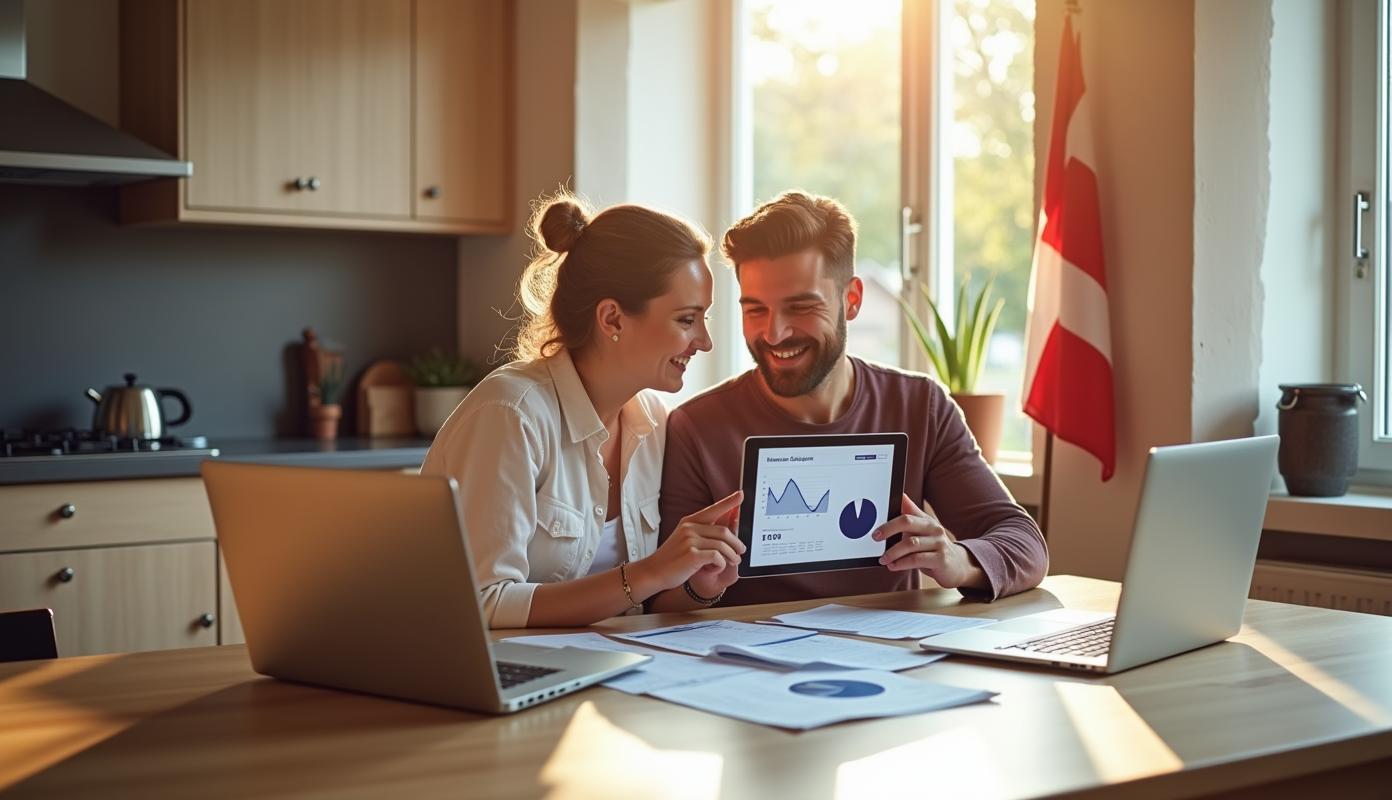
[(558, 455)]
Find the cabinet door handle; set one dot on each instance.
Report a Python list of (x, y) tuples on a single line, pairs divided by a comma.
[(300, 184), (66, 574), (68, 511), (207, 620), (312, 184), (432, 192)]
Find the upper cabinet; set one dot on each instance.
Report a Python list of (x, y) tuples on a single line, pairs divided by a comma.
[(367, 114)]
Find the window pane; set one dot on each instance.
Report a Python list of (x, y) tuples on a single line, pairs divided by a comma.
[(824, 75), (991, 140)]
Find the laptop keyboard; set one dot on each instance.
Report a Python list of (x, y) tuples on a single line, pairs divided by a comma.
[(1090, 640), (510, 674)]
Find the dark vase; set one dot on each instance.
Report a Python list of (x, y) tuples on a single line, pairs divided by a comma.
[(1318, 424)]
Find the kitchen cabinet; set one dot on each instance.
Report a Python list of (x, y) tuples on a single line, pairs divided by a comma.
[(118, 599), (462, 135), (362, 114), (125, 565)]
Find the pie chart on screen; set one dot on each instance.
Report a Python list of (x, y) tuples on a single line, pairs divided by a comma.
[(856, 523)]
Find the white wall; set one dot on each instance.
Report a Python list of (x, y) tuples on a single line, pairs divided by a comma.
[(1302, 233), (603, 53)]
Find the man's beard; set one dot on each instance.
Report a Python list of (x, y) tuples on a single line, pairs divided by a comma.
[(787, 383)]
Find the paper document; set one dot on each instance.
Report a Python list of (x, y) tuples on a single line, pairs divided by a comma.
[(878, 623), (830, 651), (802, 700), (699, 638), (664, 671)]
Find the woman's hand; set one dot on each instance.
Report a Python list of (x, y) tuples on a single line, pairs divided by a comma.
[(700, 548)]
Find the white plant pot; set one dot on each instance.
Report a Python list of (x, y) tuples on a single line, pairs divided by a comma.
[(434, 404)]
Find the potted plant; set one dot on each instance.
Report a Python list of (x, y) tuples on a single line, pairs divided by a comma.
[(958, 355), (328, 412), (442, 380)]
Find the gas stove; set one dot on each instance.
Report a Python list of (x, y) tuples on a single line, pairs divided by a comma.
[(48, 456), (74, 443)]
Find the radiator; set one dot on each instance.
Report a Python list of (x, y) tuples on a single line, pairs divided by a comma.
[(1327, 587)]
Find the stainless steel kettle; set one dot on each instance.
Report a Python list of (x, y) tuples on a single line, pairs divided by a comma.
[(135, 412)]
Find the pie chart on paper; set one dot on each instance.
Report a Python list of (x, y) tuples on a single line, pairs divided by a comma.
[(836, 688), (855, 523)]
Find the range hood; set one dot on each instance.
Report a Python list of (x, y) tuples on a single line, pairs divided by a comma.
[(44, 140)]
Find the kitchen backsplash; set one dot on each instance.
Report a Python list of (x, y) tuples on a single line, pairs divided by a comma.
[(206, 310)]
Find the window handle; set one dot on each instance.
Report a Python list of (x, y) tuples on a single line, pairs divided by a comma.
[(908, 229), (1360, 253)]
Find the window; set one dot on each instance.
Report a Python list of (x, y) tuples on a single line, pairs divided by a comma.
[(822, 84), (1367, 281)]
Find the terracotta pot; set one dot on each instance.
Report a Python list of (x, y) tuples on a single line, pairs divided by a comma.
[(985, 414), (326, 421)]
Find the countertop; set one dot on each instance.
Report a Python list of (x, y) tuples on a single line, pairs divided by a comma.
[(349, 453)]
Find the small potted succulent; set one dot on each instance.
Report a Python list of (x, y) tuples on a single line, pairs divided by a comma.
[(327, 414), (442, 380), (958, 356)]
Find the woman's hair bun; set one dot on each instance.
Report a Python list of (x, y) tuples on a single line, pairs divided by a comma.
[(561, 225)]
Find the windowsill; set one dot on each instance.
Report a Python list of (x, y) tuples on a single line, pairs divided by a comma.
[(1364, 513)]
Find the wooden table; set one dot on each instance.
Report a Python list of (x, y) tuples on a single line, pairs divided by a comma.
[(1302, 698)]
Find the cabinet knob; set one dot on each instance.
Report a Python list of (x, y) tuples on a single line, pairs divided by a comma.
[(66, 574), (432, 192), (300, 184), (68, 511), (312, 184), (207, 620)]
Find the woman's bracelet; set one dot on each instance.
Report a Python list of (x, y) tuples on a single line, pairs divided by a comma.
[(628, 591), (705, 601)]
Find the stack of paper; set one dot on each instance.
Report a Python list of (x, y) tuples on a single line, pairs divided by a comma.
[(699, 638), (664, 671), (878, 623), (802, 700), (830, 651)]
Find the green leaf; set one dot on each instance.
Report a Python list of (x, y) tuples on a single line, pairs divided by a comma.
[(930, 346), (974, 344), (953, 367), (987, 330)]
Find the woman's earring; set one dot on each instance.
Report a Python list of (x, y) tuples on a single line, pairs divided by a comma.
[(615, 337)]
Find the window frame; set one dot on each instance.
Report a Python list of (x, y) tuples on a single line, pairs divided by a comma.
[(1363, 167)]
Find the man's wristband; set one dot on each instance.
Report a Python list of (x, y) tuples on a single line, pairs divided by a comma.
[(705, 601)]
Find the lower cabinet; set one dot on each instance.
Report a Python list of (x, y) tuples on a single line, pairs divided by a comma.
[(119, 599), (125, 565)]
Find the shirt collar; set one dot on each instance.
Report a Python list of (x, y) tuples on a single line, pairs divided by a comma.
[(580, 416)]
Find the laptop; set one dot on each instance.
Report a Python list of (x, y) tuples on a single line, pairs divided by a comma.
[(362, 580), (1193, 549)]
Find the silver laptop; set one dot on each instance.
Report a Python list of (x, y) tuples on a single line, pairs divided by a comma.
[(362, 580), (1192, 553)]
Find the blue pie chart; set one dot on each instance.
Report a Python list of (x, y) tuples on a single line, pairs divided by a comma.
[(836, 688), (855, 524)]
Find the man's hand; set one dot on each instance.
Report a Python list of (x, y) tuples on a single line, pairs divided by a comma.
[(927, 546)]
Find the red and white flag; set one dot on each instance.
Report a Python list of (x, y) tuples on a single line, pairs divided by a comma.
[(1068, 371)]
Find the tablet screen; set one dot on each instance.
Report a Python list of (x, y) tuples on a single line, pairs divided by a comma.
[(817, 505)]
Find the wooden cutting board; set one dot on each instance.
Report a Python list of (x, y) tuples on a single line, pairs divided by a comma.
[(386, 401)]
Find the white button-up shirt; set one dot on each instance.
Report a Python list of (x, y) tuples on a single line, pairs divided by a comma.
[(524, 448)]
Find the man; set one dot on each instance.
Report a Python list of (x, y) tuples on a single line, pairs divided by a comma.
[(794, 258)]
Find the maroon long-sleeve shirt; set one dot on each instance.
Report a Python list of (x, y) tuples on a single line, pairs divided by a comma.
[(705, 446)]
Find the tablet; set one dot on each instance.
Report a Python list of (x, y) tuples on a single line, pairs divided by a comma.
[(812, 501)]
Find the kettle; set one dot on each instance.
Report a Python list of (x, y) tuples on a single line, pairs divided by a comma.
[(134, 412)]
